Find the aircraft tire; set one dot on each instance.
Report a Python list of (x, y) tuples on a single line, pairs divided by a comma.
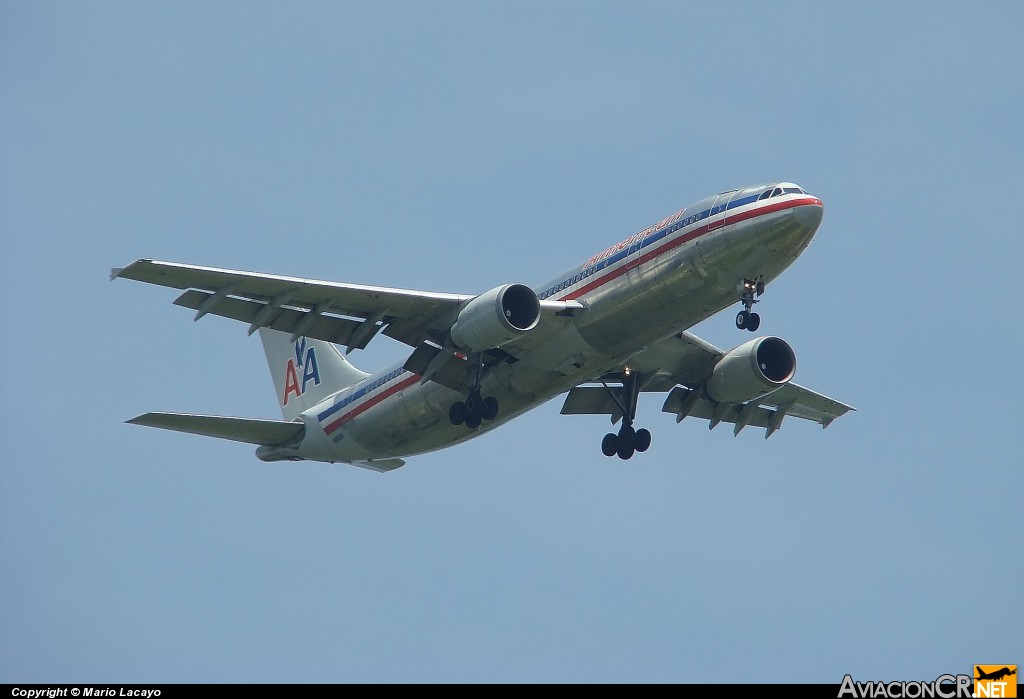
[(457, 413), (754, 322), (610, 444), (473, 420), (741, 320), (490, 408), (642, 441), (626, 442), (628, 435)]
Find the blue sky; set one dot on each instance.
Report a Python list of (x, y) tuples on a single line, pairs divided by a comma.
[(454, 146)]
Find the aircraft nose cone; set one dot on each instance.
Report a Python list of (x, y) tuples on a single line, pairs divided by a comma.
[(809, 216)]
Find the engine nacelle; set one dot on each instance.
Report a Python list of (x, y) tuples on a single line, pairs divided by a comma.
[(752, 370), (496, 317)]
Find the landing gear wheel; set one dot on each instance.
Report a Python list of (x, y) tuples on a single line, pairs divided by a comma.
[(749, 290), (627, 442), (457, 413), (625, 451), (490, 408), (610, 444), (642, 440), (474, 410), (627, 434), (477, 408)]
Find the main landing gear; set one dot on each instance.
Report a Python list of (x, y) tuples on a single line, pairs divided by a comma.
[(747, 319), (628, 440), (476, 408)]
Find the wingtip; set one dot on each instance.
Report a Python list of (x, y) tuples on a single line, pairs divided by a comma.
[(116, 272)]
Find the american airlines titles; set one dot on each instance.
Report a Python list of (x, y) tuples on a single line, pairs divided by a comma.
[(636, 238)]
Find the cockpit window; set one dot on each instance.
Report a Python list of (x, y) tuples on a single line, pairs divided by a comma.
[(777, 191), (765, 194), (793, 190)]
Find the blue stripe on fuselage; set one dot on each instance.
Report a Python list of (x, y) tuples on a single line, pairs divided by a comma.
[(365, 390), (671, 228)]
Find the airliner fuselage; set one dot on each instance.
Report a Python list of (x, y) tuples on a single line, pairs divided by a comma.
[(636, 293)]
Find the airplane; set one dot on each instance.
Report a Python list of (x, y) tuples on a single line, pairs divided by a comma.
[(604, 332), (997, 675)]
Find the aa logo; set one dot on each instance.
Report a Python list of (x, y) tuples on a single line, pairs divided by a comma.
[(304, 361), (995, 681)]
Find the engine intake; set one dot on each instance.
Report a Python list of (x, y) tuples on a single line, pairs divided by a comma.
[(496, 317), (752, 370)]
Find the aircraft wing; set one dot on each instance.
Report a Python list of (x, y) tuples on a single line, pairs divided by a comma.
[(682, 365), (345, 314)]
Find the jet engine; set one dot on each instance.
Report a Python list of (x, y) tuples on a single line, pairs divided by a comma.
[(496, 317), (752, 370)]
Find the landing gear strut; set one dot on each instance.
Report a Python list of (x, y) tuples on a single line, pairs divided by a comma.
[(628, 440), (747, 319), (476, 408)]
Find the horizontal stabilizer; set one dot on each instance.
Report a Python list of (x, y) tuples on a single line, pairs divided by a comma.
[(240, 429)]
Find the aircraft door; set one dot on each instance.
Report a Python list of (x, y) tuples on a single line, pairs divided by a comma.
[(718, 207), (718, 204), (632, 259)]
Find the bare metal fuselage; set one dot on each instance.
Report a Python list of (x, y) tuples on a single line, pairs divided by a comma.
[(640, 295)]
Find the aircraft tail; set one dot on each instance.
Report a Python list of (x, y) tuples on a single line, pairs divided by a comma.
[(305, 371)]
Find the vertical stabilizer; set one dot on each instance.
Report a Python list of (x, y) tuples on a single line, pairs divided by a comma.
[(305, 371)]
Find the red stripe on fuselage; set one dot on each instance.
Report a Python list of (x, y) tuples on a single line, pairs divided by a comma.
[(685, 238), (371, 402), (646, 257)]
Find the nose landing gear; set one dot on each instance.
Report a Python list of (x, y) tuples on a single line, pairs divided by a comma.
[(747, 319)]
